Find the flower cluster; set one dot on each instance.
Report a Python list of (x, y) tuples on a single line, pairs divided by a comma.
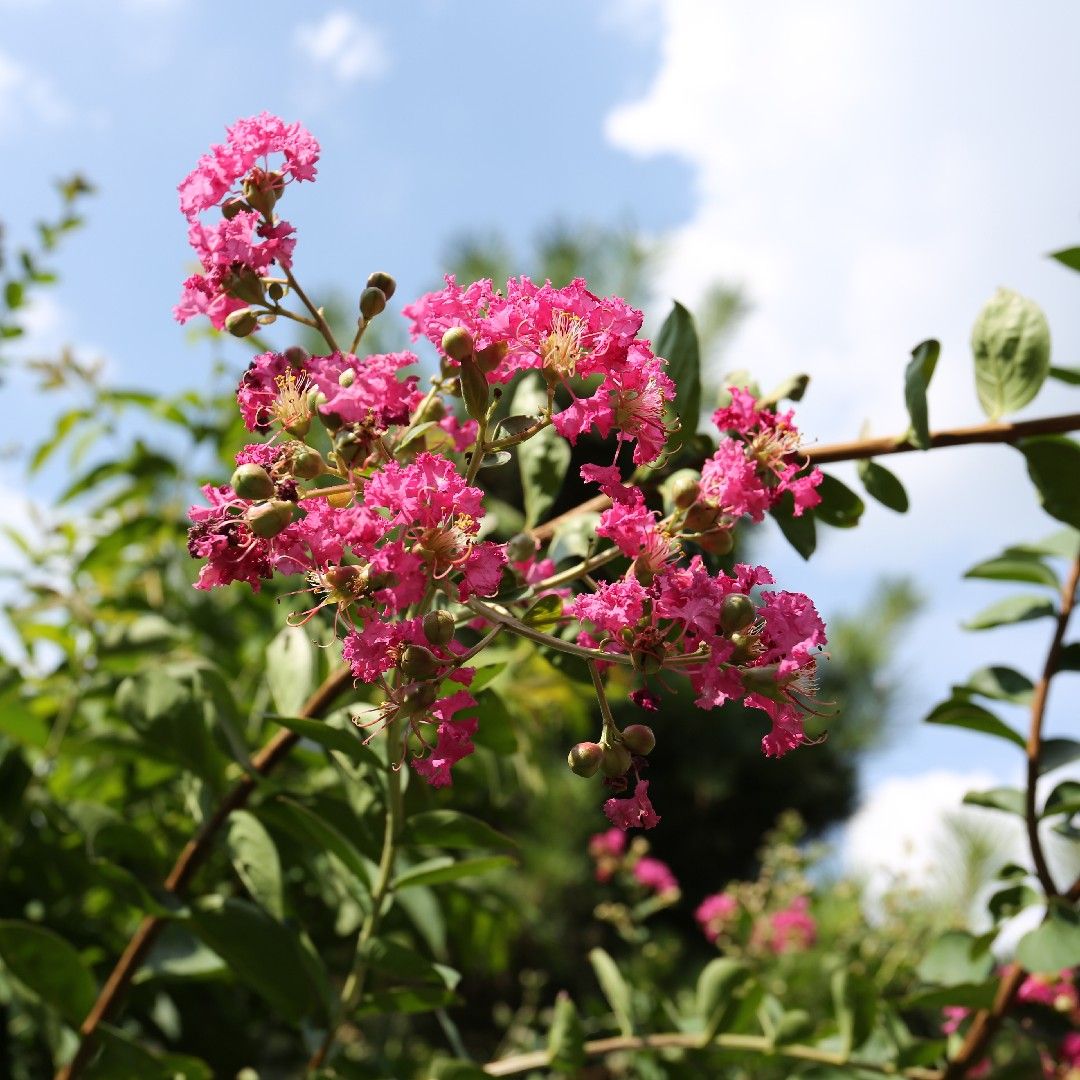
[(367, 491), (787, 929)]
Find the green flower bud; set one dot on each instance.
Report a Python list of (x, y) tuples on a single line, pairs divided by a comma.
[(242, 322), (252, 481), (584, 758), (639, 739), (418, 698), (490, 358), (737, 612), (700, 517), (418, 662), (383, 282), (439, 627), (520, 547), (296, 356), (231, 207), (615, 761), (457, 343), (434, 410), (245, 285), (474, 389), (347, 580), (267, 519), (349, 447), (307, 463), (717, 541), (275, 290), (372, 302), (681, 489), (346, 378)]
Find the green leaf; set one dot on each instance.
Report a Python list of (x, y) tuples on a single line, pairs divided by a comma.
[(839, 506), (883, 485), (955, 958), (1064, 543), (717, 985), (1012, 609), (545, 613), (791, 389), (794, 1026), (855, 1005), (1069, 257), (494, 724), (799, 532), (262, 953), (1011, 343), (1068, 375), (255, 859), (49, 967), (615, 989), (958, 712), (1011, 800), (1056, 753), (333, 738), (542, 460), (566, 1037), (291, 669), (452, 829), (1053, 946), (1064, 799), (178, 954), (1010, 901), (1069, 657), (1028, 568), (122, 1057), (677, 342), (1053, 463), (404, 965), (970, 995), (920, 371), (574, 538), (1000, 684), (440, 870)]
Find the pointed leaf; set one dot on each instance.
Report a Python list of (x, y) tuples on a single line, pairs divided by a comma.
[(799, 532), (443, 869), (291, 669), (452, 829), (1069, 257), (839, 506), (958, 712), (615, 989), (1064, 799), (1028, 568), (1011, 610), (883, 485), (566, 1037), (677, 342), (544, 459), (920, 370), (1068, 375), (49, 967), (717, 985), (1053, 463), (1056, 753), (545, 613), (1000, 684), (256, 861), (954, 959), (333, 738), (1055, 945), (1011, 800)]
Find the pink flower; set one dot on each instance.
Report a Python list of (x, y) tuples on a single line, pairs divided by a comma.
[(375, 396), (629, 524), (793, 929), (954, 1017), (611, 842), (715, 913), (655, 875), (614, 606), (454, 739), (426, 492), (635, 812), (483, 570), (248, 141)]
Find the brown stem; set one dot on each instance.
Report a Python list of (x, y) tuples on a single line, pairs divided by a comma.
[(316, 314), (187, 863), (986, 1023), (867, 448)]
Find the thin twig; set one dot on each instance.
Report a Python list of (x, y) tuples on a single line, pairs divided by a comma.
[(187, 864), (316, 314)]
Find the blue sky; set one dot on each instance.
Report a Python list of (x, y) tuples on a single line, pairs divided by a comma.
[(870, 173)]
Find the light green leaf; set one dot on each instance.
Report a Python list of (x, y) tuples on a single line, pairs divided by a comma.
[(1053, 946), (1000, 684), (1012, 609), (1028, 568), (855, 1004), (452, 829), (1053, 463), (255, 859), (615, 989), (954, 959), (333, 738), (291, 669), (543, 459), (1011, 800), (49, 967), (1011, 343), (1064, 542), (958, 712), (1064, 799), (545, 613), (574, 538), (440, 870), (566, 1037), (677, 342), (883, 485), (717, 985), (920, 371)]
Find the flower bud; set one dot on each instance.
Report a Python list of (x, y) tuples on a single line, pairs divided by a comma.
[(717, 541), (615, 761), (307, 463), (340, 499), (418, 698), (737, 612), (681, 489), (296, 356), (700, 517), (383, 282), (241, 322), (474, 389), (639, 739), (439, 627), (418, 662), (521, 547), (434, 410), (251, 481), (245, 285), (584, 758), (763, 680), (347, 580), (275, 290), (349, 447), (457, 343), (490, 358), (346, 378), (372, 302), (267, 519), (231, 207)]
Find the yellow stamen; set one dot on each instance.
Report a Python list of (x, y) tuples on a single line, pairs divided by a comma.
[(563, 347)]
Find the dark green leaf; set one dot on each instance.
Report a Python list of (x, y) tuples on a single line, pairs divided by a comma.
[(1053, 946), (404, 965), (1028, 568), (48, 967), (256, 861), (1069, 657), (839, 506), (954, 959), (615, 989), (969, 995), (566, 1037), (1011, 800), (883, 485), (1053, 463), (545, 613), (1011, 343), (958, 712), (677, 342), (1057, 752), (1012, 609), (1069, 257), (855, 1005), (543, 459), (495, 725), (443, 869), (333, 738), (1010, 901), (920, 370), (1000, 684), (799, 532), (1068, 375), (1064, 799), (452, 829)]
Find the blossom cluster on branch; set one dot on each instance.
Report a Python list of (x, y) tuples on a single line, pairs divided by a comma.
[(367, 487)]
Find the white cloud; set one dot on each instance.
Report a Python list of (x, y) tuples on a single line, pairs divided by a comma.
[(344, 47), (29, 99)]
